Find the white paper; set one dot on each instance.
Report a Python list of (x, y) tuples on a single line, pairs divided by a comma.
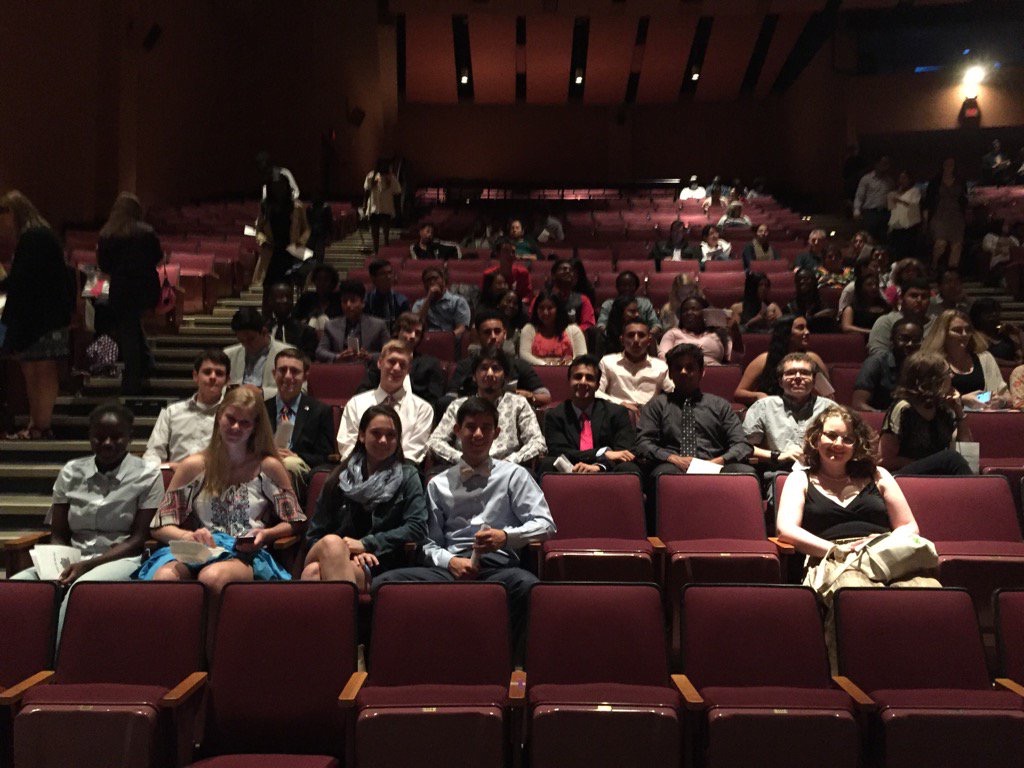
[(194, 552), (823, 386), (51, 560), (971, 454), (249, 231), (702, 467), (283, 434), (562, 464)]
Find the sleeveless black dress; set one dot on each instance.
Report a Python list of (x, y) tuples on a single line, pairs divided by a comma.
[(863, 516)]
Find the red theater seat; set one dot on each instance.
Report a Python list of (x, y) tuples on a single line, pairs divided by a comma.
[(335, 383)]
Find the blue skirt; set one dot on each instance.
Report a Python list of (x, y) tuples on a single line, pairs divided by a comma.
[(264, 567)]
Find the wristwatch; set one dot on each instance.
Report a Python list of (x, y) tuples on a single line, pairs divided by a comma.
[(775, 456)]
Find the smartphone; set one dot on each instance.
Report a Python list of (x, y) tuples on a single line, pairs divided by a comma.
[(984, 397), (353, 343), (248, 539)]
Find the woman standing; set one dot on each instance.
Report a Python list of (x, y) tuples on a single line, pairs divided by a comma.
[(945, 213), (904, 217), (381, 187), (282, 227), (38, 310), (129, 253)]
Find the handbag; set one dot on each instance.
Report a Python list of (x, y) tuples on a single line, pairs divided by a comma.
[(168, 299), (884, 558)]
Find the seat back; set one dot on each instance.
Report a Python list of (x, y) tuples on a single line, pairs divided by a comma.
[(28, 614), (556, 379), (709, 507), (316, 487), (596, 633), (335, 384), (970, 508), (909, 638), (999, 435), (846, 348), (843, 376), (282, 653), (721, 380), (440, 344), (613, 505), (729, 265), (461, 637), (753, 636), (142, 633), (1010, 631)]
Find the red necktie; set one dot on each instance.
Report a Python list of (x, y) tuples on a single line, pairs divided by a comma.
[(586, 434)]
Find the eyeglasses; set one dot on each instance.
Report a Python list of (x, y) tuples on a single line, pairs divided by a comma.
[(835, 437), (799, 372)]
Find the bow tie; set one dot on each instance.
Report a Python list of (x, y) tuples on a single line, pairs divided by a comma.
[(466, 471)]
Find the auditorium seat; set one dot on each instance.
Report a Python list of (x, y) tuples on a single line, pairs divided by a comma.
[(28, 614), (284, 655), (556, 379), (412, 269), (126, 680), (755, 657), (1000, 435), (659, 285), (776, 269), (833, 348), (721, 380), (440, 344), (598, 687), (335, 383), (1009, 616), (444, 691), (359, 274), (919, 656), (600, 522), (674, 267), (727, 265), (197, 269), (469, 272), (843, 376), (641, 267), (589, 255)]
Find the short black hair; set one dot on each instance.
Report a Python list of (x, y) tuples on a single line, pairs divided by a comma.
[(430, 271), (214, 355), (476, 406), (377, 265), (590, 360), (631, 275), (125, 417), (325, 269), (248, 319), (351, 288), (681, 350), (486, 315), (920, 283), (491, 354)]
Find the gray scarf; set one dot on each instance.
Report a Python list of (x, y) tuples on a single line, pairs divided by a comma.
[(376, 489)]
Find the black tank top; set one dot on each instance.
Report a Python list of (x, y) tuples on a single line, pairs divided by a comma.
[(864, 515)]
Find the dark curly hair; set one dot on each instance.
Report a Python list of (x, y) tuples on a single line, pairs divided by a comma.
[(864, 461)]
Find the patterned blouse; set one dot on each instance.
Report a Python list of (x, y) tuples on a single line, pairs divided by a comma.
[(519, 441)]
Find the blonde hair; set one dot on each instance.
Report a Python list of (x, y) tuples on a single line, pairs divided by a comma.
[(398, 346), (683, 280), (935, 339), (125, 217), (260, 443), (26, 215)]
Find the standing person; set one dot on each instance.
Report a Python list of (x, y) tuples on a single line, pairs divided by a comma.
[(945, 214), (904, 217), (381, 187), (870, 203), (129, 253), (269, 173), (38, 309), (549, 338), (370, 507), (281, 228), (283, 325)]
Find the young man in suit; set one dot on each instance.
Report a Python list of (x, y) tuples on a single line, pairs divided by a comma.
[(594, 435), (355, 335), (252, 358), (285, 328), (303, 426)]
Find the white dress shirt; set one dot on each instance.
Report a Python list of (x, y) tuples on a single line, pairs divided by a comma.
[(416, 415), (623, 381)]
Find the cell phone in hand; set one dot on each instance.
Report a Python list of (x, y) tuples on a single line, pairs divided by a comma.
[(248, 539)]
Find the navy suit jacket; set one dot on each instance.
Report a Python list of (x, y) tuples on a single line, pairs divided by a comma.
[(313, 434)]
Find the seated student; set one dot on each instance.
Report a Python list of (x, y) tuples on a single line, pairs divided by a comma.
[(516, 275), (684, 286), (308, 439), (775, 425), (251, 360), (814, 256), (417, 414), (283, 326), (950, 295), (427, 247), (493, 287), (913, 306), (425, 374), (518, 438), (902, 273), (627, 283), (676, 247), (757, 312), (867, 305), (974, 370), (594, 435), (1005, 341), (733, 218), (549, 338), (808, 304), (509, 512), (354, 335), (834, 272), (562, 285), (441, 310), (491, 329), (715, 341), (526, 247), (624, 310), (759, 249), (102, 504), (370, 506), (880, 372), (382, 301), (632, 377), (712, 246), (924, 422), (789, 334), (694, 191), (184, 428), (323, 303), (236, 495)]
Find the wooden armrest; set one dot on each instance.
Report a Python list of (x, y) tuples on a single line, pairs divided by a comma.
[(657, 543), (853, 691), (517, 688), (27, 541), (348, 694), (409, 547), (180, 693), (334, 458), (536, 545), (1010, 685), (286, 542), (12, 695), (783, 547), (693, 699)]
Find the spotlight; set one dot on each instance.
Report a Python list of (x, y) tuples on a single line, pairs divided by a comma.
[(695, 76), (464, 79), (579, 79), (974, 75)]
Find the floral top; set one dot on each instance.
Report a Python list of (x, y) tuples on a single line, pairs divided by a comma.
[(239, 508)]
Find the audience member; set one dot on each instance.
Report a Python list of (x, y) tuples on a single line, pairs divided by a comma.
[(354, 335), (282, 231), (492, 330), (901, 273), (185, 427), (676, 246), (998, 244), (577, 305), (593, 435), (712, 246), (945, 213), (627, 283), (870, 204), (511, 308), (417, 415), (370, 507), (516, 275), (624, 310), (317, 307), (880, 372), (129, 252), (518, 438), (814, 256), (441, 310), (913, 306), (950, 294), (252, 358), (696, 327), (922, 426), (904, 217), (581, 282), (549, 338), (383, 301), (789, 334), (976, 375), (861, 244), (283, 325), (808, 304), (526, 247), (684, 286), (38, 309), (757, 312), (550, 228), (867, 305), (694, 191), (493, 287), (426, 378), (427, 247), (270, 173), (1003, 338), (997, 165), (861, 267), (716, 198), (632, 377), (509, 512), (381, 187), (733, 218), (760, 248), (833, 271)]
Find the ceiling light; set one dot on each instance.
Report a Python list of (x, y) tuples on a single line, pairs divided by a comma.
[(464, 79), (695, 76), (579, 79), (972, 78)]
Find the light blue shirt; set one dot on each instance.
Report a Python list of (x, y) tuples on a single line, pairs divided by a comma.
[(253, 373), (499, 494), (446, 313)]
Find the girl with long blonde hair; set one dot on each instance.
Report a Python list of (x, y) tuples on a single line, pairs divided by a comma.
[(976, 374)]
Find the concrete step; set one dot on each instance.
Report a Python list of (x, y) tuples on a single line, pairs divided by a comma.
[(235, 304), (202, 323), (35, 451), (193, 339), (65, 423), (168, 369), (20, 505), (180, 354), (179, 387)]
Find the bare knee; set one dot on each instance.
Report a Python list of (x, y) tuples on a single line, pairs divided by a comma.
[(330, 547), (169, 572), (216, 577)]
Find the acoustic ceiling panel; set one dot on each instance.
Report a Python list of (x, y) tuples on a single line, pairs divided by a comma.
[(548, 54), (609, 53), (429, 59), (492, 45), (786, 33), (668, 47), (725, 63)]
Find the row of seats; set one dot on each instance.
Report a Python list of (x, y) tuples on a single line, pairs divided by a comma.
[(283, 687)]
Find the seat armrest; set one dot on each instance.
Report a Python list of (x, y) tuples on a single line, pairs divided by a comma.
[(657, 543), (781, 546), (11, 696), (517, 688), (689, 693), (183, 691), (854, 691), (27, 541), (1010, 685), (348, 695), (286, 542)]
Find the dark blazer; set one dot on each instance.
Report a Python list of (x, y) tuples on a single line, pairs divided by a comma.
[(373, 335), (610, 425), (313, 436), (131, 263), (296, 334)]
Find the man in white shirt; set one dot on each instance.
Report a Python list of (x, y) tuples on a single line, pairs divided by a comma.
[(693, 192), (871, 203), (185, 427), (416, 414), (252, 358), (632, 377)]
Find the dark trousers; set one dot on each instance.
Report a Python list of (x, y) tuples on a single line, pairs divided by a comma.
[(134, 349), (666, 468), (945, 462), (547, 464), (903, 242), (876, 221)]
